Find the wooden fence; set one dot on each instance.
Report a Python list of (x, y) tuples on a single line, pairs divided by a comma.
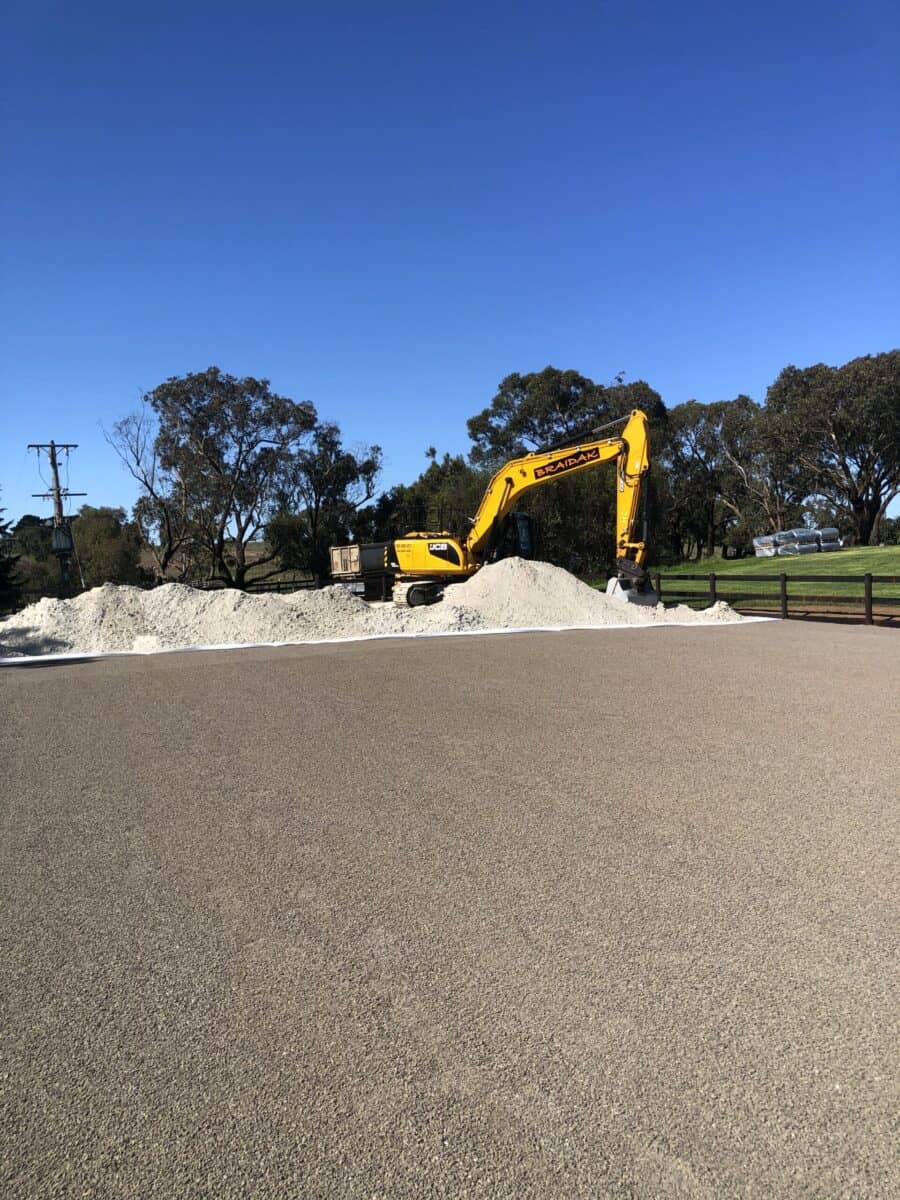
[(280, 585), (31, 595), (717, 588)]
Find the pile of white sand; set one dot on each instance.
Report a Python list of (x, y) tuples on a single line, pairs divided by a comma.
[(512, 594)]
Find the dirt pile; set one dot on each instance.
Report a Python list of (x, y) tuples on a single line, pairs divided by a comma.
[(512, 594), (519, 594)]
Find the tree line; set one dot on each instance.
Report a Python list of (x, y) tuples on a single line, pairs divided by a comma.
[(237, 482), (824, 449)]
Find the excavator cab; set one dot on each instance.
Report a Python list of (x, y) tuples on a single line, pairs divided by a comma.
[(526, 542), (516, 538)]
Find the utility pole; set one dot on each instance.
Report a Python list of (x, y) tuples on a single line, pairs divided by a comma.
[(62, 543)]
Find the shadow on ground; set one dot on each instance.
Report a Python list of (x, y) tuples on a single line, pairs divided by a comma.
[(29, 644)]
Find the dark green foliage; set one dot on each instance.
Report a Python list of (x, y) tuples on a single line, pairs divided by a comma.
[(536, 411), (323, 488), (890, 531), (826, 446), (842, 426), (37, 567), (575, 521), (107, 550), (724, 482), (445, 497), (107, 546), (32, 537), (691, 458), (10, 581)]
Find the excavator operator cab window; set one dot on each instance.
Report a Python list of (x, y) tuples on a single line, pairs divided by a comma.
[(515, 538), (523, 535)]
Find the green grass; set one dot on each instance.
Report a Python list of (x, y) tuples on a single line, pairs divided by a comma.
[(873, 560)]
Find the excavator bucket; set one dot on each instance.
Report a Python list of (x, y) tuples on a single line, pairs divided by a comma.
[(631, 583), (626, 592)]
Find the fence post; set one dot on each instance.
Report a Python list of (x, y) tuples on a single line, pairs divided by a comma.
[(784, 596), (867, 581), (659, 586), (712, 587)]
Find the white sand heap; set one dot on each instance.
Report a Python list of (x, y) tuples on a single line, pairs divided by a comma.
[(512, 594)]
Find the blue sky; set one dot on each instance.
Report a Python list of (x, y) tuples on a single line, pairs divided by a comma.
[(386, 208)]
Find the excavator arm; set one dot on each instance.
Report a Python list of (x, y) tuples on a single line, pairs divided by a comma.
[(630, 450)]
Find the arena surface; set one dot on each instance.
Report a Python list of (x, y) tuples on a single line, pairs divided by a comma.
[(578, 914)]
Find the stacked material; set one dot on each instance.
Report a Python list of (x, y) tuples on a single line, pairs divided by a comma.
[(829, 538), (765, 546), (512, 594), (792, 542)]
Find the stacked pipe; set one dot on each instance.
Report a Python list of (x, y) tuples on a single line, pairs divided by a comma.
[(797, 541), (765, 547), (791, 542), (829, 539)]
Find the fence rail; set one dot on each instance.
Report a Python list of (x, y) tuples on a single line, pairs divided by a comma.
[(256, 586), (716, 585), (280, 585)]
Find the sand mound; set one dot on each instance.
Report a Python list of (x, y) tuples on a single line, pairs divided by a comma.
[(519, 594), (510, 594)]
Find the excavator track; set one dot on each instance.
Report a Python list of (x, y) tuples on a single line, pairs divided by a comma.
[(412, 593)]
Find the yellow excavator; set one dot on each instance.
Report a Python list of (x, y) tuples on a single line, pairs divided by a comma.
[(418, 566)]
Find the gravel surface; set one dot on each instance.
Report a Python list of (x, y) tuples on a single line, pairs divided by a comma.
[(509, 594), (546, 915)]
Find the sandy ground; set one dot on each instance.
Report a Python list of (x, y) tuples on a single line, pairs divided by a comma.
[(584, 914)]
